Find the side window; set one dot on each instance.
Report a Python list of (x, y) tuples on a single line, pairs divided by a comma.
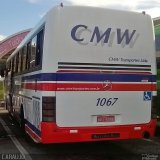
[(17, 62), (28, 55), (36, 50), (39, 50), (14, 65), (33, 52), (9, 66), (20, 62), (24, 56)]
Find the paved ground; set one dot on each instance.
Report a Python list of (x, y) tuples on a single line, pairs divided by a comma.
[(14, 145)]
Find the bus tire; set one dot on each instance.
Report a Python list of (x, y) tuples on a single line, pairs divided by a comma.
[(9, 104), (22, 120)]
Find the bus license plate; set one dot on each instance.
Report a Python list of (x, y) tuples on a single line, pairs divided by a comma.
[(105, 118)]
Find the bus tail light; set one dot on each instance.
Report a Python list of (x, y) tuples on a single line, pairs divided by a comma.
[(154, 107), (48, 109)]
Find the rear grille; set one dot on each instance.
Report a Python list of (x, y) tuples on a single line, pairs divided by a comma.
[(49, 109), (107, 135)]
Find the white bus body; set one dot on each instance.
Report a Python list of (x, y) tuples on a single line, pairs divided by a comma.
[(96, 78)]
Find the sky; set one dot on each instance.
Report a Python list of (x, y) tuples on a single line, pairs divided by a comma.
[(18, 15)]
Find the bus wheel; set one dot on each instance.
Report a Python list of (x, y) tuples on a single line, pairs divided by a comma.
[(22, 121)]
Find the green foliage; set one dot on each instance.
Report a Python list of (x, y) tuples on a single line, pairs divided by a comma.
[(2, 64), (157, 30), (1, 90)]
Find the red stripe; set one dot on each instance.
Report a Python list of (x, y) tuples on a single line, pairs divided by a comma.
[(40, 86), (89, 71), (89, 87), (32, 134)]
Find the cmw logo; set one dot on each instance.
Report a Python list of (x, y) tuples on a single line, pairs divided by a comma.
[(83, 35)]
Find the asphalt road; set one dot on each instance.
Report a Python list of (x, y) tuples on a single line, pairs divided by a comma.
[(15, 145)]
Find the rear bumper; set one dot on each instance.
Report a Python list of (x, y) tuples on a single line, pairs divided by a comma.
[(50, 133)]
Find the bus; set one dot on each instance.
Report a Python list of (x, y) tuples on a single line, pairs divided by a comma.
[(85, 74), (157, 42)]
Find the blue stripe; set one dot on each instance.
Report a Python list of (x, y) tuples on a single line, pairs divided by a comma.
[(104, 77), (90, 77), (31, 126), (41, 77)]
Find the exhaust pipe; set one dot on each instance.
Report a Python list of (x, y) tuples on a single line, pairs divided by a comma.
[(146, 135)]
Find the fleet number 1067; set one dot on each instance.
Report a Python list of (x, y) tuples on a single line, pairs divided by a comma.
[(106, 101)]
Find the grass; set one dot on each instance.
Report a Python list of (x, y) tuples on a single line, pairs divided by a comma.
[(1, 91)]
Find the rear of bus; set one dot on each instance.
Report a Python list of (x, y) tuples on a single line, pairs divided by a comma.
[(103, 62)]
